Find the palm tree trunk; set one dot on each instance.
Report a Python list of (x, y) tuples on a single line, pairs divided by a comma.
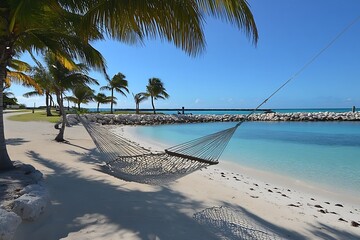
[(137, 108), (60, 136), (152, 103), (112, 101), (5, 161), (52, 103), (48, 105), (98, 105), (79, 107)]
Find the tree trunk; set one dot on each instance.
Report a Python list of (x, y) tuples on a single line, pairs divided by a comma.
[(137, 108), (152, 103), (60, 136), (52, 103), (48, 105), (98, 105), (5, 161), (79, 107), (112, 101)]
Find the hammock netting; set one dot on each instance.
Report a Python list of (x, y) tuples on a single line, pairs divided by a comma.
[(227, 223), (129, 161)]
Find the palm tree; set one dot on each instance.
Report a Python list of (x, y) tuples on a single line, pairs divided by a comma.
[(82, 94), (103, 99), (44, 79), (117, 83), (66, 77), (66, 27), (138, 98), (155, 90)]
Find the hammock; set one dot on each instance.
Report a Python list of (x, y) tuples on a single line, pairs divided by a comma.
[(129, 161)]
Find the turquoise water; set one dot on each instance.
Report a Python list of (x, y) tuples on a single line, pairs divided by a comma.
[(326, 154)]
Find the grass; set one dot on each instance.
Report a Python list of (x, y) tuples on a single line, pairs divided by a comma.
[(36, 116)]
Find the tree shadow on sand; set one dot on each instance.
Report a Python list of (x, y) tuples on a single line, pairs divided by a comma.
[(97, 207), (16, 141)]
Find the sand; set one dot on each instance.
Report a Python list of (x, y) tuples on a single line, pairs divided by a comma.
[(89, 204)]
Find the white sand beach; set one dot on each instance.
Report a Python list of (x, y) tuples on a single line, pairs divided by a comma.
[(89, 204)]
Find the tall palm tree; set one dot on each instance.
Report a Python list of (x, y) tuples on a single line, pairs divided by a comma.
[(45, 81), (117, 83), (138, 98), (81, 94), (66, 27), (66, 78), (101, 98), (155, 90)]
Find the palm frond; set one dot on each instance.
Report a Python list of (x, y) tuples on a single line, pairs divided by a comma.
[(236, 12), (105, 88), (19, 65), (31, 94), (179, 22), (21, 78)]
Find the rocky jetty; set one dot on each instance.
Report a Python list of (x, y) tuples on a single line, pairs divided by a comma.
[(154, 119)]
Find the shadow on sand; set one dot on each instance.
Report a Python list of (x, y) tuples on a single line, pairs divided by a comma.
[(16, 141)]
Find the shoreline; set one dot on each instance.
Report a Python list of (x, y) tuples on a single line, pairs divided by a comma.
[(340, 195)]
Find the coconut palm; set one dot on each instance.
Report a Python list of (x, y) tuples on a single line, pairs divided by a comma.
[(117, 83), (66, 78), (66, 27), (138, 98), (45, 81), (101, 98), (81, 94), (156, 90)]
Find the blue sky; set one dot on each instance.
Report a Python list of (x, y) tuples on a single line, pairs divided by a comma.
[(233, 73)]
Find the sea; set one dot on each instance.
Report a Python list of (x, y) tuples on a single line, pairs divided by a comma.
[(322, 154)]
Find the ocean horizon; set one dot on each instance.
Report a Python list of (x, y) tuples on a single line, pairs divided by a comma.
[(322, 154), (221, 111)]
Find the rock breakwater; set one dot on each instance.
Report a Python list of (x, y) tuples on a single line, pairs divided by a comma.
[(150, 119)]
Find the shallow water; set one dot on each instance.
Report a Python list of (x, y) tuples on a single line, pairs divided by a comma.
[(325, 154)]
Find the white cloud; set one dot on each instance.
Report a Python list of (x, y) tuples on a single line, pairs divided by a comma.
[(197, 101)]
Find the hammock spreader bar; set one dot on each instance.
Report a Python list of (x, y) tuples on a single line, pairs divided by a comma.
[(190, 157)]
